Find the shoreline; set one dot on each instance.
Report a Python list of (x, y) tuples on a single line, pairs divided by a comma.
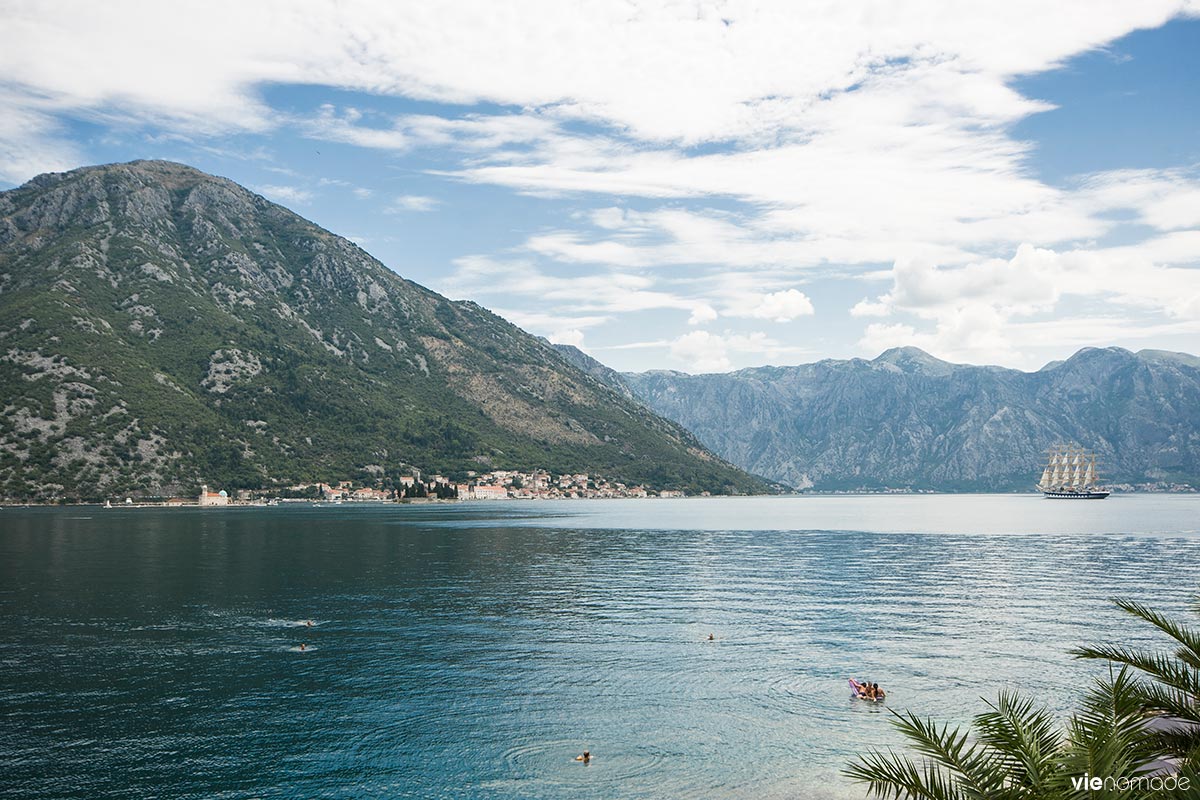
[(294, 502)]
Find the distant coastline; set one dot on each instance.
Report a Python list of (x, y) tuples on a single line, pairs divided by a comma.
[(275, 502)]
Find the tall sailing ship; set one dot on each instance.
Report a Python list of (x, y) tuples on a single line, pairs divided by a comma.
[(1071, 475)]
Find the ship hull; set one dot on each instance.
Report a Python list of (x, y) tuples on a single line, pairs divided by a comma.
[(1075, 495)]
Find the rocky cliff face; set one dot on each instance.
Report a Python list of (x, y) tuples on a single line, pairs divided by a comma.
[(160, 327), (907, 419)]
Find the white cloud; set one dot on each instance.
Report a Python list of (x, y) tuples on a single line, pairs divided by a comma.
[(410, 203), (285, 194), (1026, 283), (702, 351), (880, 336), (721, 79), (31, 142), (865, 308), (985, 311), (604, 294), (701, 314), (548, 324), (845, 137), (896, 118), (660, 73), (334, 125), (598, 294), (571, 336), (1166, 199), (783, 306)]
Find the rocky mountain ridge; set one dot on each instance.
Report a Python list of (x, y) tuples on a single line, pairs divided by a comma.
[(908, 420), (160, 327)]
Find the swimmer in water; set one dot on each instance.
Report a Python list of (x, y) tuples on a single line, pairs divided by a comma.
[(302, 646), (711, 637), (585, 758), (308, 623)]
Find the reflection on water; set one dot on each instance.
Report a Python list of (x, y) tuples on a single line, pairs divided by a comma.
[(475, 650)]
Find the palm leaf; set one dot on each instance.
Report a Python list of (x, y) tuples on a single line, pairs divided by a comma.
[(975, 766), (1026, 739), (1162, 667), (1107, 736), (889, 775), (1188, 638), (1170, 701)]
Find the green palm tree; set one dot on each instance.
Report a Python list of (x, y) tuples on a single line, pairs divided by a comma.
[(1018, 751), (1168, 686)]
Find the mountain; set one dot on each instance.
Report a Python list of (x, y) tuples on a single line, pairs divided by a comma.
[(909, 420), (160, 327), (605, 374)]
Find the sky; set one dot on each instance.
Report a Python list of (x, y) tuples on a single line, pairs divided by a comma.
[(701, 186)]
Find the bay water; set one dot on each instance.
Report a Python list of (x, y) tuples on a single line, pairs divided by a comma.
[(472, 650)]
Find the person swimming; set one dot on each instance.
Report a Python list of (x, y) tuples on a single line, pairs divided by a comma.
[(302, 646), (585, 758), (876, 692), (308, 623), (711, 637)]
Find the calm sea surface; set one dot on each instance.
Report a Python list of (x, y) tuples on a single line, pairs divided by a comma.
[(472, 650)]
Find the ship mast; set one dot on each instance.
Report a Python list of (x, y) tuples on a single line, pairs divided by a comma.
[(1060, 463), (1071, 471), (1089, 477)]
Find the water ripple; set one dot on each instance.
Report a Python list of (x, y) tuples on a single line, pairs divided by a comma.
[(474, 651)]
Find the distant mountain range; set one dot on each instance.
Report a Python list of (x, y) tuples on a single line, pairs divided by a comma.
[(160, 327), (909, 420)]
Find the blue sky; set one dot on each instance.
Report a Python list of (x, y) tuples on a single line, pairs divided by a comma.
[(695, 185)]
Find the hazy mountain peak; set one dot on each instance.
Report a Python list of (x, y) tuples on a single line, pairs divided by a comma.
[(1169, 357), (1092, 352), (914, 359)]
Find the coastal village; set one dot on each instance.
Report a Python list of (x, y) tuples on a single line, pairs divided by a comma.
[(496, 485), (537, 484)]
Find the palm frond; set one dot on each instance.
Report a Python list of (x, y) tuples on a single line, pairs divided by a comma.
[(1178, 745), (1108, 735), (1187, 637), (1162, 667), (1025, 738), (976, 766), (1191, 763), (889, 775), (1172, 702), (1188, 657)]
